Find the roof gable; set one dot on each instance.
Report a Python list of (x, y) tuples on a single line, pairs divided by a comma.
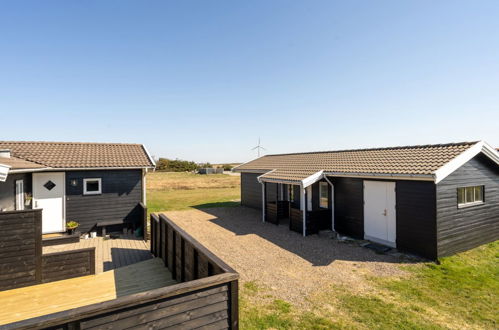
[(80, 155)]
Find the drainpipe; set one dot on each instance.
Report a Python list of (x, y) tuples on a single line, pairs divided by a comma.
[(332, 203), (303, 207)]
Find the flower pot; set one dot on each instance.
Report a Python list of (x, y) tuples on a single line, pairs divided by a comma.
[(71, 231), (93, 234)]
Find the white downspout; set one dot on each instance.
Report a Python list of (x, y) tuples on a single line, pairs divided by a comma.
[(303, 208), (144, 186), (332, 203)]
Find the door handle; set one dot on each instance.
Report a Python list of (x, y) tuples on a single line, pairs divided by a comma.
[(385, 213)]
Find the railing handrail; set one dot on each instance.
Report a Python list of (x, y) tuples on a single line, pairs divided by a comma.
[(87, 311), (201, 248)]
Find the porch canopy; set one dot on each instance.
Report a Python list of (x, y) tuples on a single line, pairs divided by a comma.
[(303, 178)]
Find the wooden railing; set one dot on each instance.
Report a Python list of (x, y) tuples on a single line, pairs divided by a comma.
[(68, 264), (21, 260), (193, 264), (316, 220), (205, 297)]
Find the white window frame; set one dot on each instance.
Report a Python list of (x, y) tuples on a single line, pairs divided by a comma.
[(98, 192), (470, 203), (323, 185), (19, 195)]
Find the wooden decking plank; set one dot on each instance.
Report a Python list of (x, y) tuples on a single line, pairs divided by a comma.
[(37, 300)]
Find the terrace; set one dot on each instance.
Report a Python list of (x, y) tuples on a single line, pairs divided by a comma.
[(115, 283)]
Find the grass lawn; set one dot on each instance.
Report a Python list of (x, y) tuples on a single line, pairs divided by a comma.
[(460, 293), (167, 191)]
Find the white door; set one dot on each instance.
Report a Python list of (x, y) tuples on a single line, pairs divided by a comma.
[(48, 194), (379, 212)]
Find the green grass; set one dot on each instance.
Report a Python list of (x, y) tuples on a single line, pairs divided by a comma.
[(168, 191), (461, 292), (170, 200)]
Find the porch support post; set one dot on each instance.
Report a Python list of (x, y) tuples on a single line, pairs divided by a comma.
[(332, 202), (264, 203), (303, 207)]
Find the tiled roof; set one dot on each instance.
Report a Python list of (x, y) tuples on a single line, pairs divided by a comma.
[(284, 175), (18, 164), (79, 155), (410, 160)]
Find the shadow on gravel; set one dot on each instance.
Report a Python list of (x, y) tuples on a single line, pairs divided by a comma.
[(319, 249)]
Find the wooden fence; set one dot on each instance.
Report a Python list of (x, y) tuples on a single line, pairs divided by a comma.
[(68, 264), (21, 260), (190, 262), (205, 297)]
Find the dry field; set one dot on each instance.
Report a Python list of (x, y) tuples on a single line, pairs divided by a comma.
[(180, 191)]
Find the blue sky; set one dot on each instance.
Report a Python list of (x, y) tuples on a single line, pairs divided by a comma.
[(202, 80)]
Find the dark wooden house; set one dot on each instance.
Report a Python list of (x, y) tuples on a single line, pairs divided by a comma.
[(94, 184), (430, 200)]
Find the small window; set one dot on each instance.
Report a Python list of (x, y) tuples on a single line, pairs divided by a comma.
[(92, 186), (324, 195), (469, 196), (291, 193)]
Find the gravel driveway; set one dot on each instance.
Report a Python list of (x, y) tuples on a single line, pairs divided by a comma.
[(291, 266)]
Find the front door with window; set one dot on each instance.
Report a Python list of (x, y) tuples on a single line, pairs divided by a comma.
[(379, 212), (48, 194)]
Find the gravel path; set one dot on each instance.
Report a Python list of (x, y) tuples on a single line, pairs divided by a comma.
[(292, 267)]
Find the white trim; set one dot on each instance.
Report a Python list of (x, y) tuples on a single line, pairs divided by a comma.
[(463, 158), (4, 172), (303, 210), (144, 186), (312, 179), (85, 192), (149, 155)]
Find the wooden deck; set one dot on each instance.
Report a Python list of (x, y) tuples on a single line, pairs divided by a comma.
[(111, 253), (28, 302)]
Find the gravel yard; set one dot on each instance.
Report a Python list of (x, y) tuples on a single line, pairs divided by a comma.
[(291, 267)]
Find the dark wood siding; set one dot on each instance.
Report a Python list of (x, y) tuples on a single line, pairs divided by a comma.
[(68, 264), (251, 190), (271, 192), (416, 218), (206, 308), (120, 198), (8, 190), (349, 206), (465, 228), (20, 248)]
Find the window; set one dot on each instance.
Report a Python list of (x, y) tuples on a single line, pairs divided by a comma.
[(324, 195), (469, 196), (92, 186), (291, 193)]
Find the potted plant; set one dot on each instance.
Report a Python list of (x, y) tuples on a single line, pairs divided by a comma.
[(27, 199), (71, 226)]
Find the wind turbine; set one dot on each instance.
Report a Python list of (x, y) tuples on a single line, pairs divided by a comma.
[(259, 147)]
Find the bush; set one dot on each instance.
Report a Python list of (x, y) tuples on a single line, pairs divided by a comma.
[(177, 165), (228, 167)]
